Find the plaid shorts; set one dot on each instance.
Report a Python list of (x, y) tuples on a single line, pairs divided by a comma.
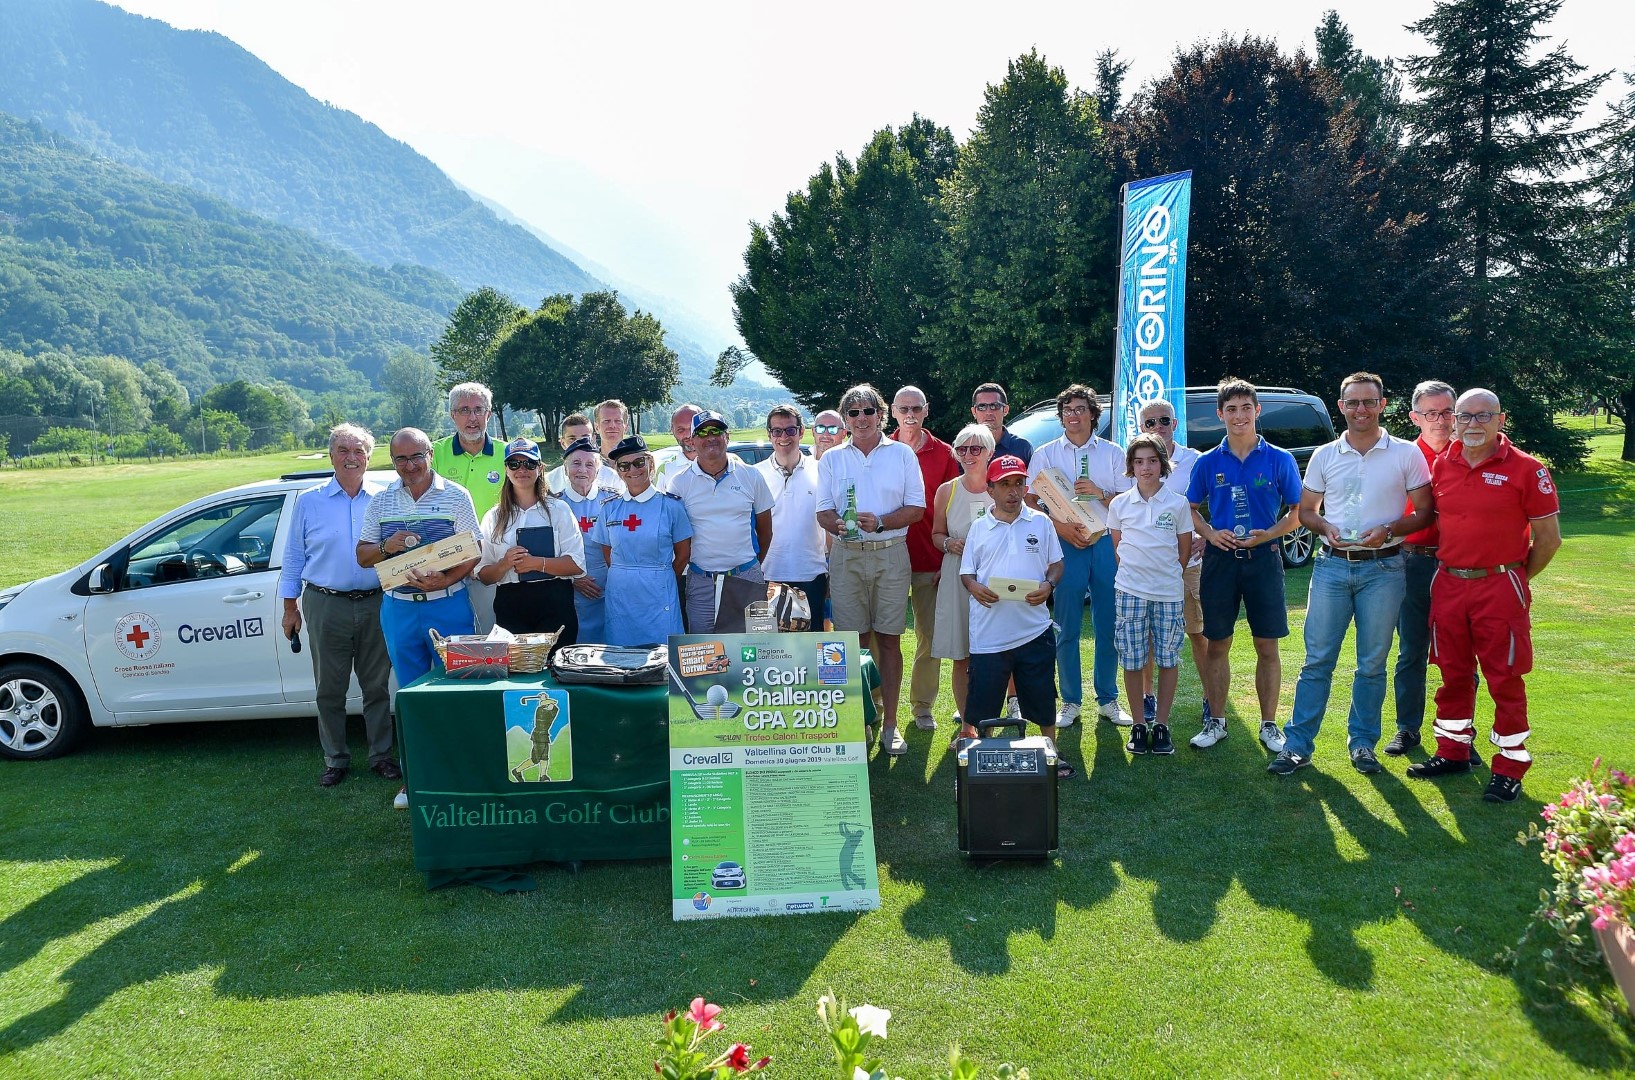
[(1138, 621)]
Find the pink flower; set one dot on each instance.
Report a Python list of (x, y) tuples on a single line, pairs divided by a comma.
[(1625, 844), (704, 1015), (1549, 812), (1605, 915)]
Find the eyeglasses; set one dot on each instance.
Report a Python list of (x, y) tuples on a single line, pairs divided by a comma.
[(522, 464), (1435, 414), (1075, 410), (709, 433), (1158, 421), (631, 464), (1360, 403), (861, 412), (471, 410), (1475, 417), (912, 410), (826, 429), (780, 432), (988, 406), (970, 448), (409, 459)]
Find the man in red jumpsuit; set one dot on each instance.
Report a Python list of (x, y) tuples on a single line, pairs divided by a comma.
[(1497, 513)]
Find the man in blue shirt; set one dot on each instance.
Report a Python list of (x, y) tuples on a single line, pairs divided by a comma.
[(342, 604), (1245, 483), (989, 407)]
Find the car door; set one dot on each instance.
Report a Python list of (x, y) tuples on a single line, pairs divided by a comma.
[(191, 626)]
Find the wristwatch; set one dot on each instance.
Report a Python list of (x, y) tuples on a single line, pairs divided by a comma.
[(1389, 534), (879, 526)]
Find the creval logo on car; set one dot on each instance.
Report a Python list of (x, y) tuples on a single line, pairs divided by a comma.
[(188, 634)]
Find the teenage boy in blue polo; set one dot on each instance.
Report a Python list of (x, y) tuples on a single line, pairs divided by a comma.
[(1244, 483)]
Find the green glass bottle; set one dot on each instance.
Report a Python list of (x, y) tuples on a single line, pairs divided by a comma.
[(849, 517)]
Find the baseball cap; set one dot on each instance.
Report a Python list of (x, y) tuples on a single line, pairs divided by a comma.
[(1005, 465), (707, 417), (522, 448)]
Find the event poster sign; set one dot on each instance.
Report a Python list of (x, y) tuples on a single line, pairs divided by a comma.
[(1152, 275), (769, 784)]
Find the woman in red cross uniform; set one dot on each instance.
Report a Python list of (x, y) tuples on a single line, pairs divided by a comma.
[(584, 495), (1497, 514), (646, 538)]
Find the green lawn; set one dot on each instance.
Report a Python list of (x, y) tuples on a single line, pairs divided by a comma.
[(185, 900)]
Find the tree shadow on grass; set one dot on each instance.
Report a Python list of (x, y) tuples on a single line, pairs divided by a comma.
[(224, 856)]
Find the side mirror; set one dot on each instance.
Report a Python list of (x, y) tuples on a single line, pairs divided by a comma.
[(102, 579)]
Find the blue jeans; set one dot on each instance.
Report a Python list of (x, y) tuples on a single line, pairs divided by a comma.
[(1413, 640), (1092, 567), (1371, 594)]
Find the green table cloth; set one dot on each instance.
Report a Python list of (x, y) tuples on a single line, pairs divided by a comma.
[(466, 812)]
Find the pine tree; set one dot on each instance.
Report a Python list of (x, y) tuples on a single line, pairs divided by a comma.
[(1493, 136), (1612, 236)]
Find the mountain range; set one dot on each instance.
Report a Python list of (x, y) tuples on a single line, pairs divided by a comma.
[(194, 109)]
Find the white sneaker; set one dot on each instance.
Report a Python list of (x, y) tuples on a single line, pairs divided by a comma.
[(927, 722), (1214, 731), (1013, 709), (1115, 712), (1068, 714), (896, 745), (401, 802), (1271, 737)]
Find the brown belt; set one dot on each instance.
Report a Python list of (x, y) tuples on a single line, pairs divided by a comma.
[(1428, 550), (1481, 571), (1362, 554)]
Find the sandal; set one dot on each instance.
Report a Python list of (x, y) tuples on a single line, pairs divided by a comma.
[(1064, 771)]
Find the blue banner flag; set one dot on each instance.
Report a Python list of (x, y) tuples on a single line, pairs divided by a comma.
[(1151, 361)]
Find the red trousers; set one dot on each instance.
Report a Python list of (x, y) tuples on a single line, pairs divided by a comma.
[(1482, 621)]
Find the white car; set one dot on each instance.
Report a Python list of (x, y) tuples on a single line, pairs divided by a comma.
[(178, 621)]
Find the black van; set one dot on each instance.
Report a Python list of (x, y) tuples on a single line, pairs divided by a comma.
[(1296, 421)]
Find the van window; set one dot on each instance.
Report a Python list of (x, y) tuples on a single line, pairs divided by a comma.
[(234, 538), (1293, 424)]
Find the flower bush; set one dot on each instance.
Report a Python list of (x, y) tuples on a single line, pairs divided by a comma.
[(1589, 845), (680, 1057)]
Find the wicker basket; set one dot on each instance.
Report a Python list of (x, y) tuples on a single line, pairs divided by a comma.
[(530, 653)]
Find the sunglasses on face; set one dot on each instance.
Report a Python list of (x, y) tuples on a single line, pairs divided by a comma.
[(1158, 421), (970, 448), (913, 410), (854, 413), (709, 433), (826, 429), (777, 432), (988, 406), (522, 465), (631, 464)]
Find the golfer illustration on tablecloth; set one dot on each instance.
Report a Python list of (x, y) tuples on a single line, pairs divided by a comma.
[(546, 726)]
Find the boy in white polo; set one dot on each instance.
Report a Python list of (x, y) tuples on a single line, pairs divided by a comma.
[(1011, 565), (1152, 536)]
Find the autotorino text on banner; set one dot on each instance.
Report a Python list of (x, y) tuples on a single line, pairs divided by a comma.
[(1151, 361)]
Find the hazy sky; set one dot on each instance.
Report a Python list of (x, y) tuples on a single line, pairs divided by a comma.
[(647, 136)]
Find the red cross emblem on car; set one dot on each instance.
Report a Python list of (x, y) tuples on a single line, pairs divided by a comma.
[(138, 636), (631, 522)]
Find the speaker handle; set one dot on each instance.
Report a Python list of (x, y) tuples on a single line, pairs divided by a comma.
[(985, 726)]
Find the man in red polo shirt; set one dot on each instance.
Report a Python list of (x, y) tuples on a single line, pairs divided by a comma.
[(1499, 529), (937, 467)]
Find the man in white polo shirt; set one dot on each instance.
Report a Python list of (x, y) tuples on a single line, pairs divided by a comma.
[(799, 555), (869, 572), (1010, 549), (1355, 491), (1085, 564), (730, 507)]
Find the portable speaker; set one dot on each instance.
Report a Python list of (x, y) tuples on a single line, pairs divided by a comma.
[(1005, 795)]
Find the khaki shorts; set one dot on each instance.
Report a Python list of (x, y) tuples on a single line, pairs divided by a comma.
[(868, 590), (1194, 609)]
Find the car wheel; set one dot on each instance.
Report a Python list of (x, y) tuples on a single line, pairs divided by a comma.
[(1297, 547), (40, 712)]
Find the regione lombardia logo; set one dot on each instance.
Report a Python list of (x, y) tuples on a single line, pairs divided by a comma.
[(137, 636)]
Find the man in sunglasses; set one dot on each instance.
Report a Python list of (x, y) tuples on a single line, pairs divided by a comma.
[(730, 507), (470, 459), (1354, 493), (909, 407), (828, 432), (1432, 414), (989, 407), (799, 556), (869, 572), (1499, 528)]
